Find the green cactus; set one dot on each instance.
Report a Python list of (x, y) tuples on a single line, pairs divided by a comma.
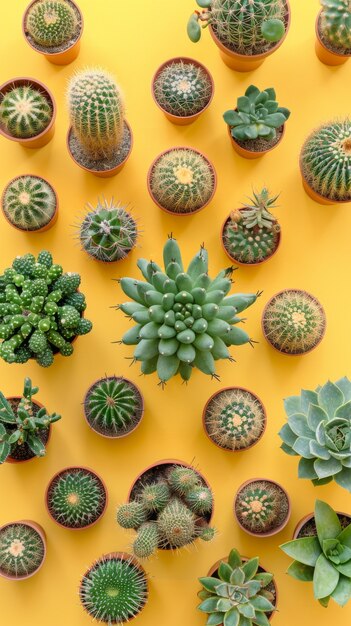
[(146, 541), (25, 112), (29, 202), (76, 498), (22, 550), (131, 515), (108, 232), (325, 160), (182, 89), (176, 524), (261, 506), (199, 500), (155, 496), (184, 320), (114, 590), (182, 480), (51, 22), (335, 23)]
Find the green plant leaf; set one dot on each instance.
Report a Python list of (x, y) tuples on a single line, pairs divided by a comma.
[(261, 619), (246, 610), (330, 398), (325, 578), (251, 131), (307, 398), (273, 30), (224, 605), (203, 594), (324, 601), (298, 424), (287, 435), (292, 405), (237, 577), (302, 447), (301, 572), (194, 28), (36, 445), (209, 605), (327, 468), (264, 578), (253, 587), (250, 567), (343, 478), (345, 386), (2, 430), (261, 604), (244, 104), (232, 118), (305, 550), (344, 410), (344, 568), (306, 469), (342, 591), (6, 413), (14, 437), (327, 522), (234, 559), (215, 619), (5, 450), (288, 450), (225, 572), (315, 416), (274, 120), (284, 112), (319, 451), (252, 92), (232, 617), (210, 583), (345, 536)]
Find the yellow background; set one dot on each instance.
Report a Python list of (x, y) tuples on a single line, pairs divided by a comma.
[(131, 39)]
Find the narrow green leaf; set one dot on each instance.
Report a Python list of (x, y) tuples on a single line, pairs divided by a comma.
[(327, 522), (225, 572), (325, 578), (250, 568), (232, 617)]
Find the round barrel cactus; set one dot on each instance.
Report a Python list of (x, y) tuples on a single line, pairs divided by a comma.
[(51, 22), (335, 23), (182, 88), (113, 406), (261, 506), (22, 550), (29, 202), (25, 112)]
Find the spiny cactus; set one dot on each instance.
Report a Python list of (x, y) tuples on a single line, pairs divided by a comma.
[(29, 202), (114, 590), (326, 160), (261, 506), (108, 232), (234, 419), (146, 541), (182, 89), (76, 498), (22, 550), (184, 319), (132, 514), (182, 480), (294, 321), (51, 22), (176, 524), (335, 23), (25, 112), (155, 496), (199, 500)]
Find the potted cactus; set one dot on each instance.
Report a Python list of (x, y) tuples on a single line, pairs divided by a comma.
[(184, 319), (293, 322), (333, 32), (99, 139), (113, 407), (114, 590), (54, 28), (257, 124), (251, 234), (325, 163), (246, 33), (27, 112), (262, 507), (30, 204), (22, 549), (183, 89), (321, 549), (181, 181), (234, 419), (76, 498), (169, 506), (318, 429)]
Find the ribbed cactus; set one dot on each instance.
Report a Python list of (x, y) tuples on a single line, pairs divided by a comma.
[(335, 23), (29, 202), (294, 321), (132, 514), (182, 89), (147, 540), (108, 232), (21, 550), (199, 500), (76, 497), (182, 480), (51, 22), (261, 506), (155, 496), (25, 112), (326, 160), (113, 406)]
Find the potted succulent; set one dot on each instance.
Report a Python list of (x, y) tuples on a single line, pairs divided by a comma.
[(25, 426), (262, 507), (325, 163), (245, 33), (27, 112), (114, 590), (99, 139), (238, 591), (30, 204), (234, 419), (318, 429), (293, 322), (333, 32), (184, 319), (321, 550), (76, 498), (251, 234), (170, 505), (257, 124), (183, 89), (113, 407), (54, 28), (41, 310), (22, 549), (181, 181)]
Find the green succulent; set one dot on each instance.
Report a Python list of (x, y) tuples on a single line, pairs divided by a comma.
[(132, 514), (29, 202), (182, 89), (335, 23), (261, 506), (51, 22), (22, 550), (25, 112)]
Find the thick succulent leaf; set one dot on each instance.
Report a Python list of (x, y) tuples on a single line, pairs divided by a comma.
[(260, 619), (5, 450), (215, 619), (308, 397), (260, 603), (320, 434), (251, 131), (325, 578), (343, 478), (232, 118), (270, 91), (238, 132), (223, 590), (288, 450), (250, 568), (302, 447), (246, 610), (300, 571), (209, 605), (327, 468), (342, 591), (319, 451), (210, 583), (6, 413), (36, 445), (252, 92), (305, 550), (327, 522), (284, 112), (346, 461), (203, 594), (345, 536), (198, 265), (298, 424), (274, 120), (225, 572), (330, 398), (132, 336), (234, 559), (253, 587), (237, 577), (319, 482), (287, 435), (2, 430), (315, 416), (324, 601), (344, 411), (224, 605), (345, 386), (244, 104), (167, 366), (171, 252), (264, 578), (232, 617), (292, 405), (344, 568)]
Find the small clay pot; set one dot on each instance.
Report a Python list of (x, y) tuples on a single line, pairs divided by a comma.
[(307, 518), (317, 197), (38, 230), (67, 55), (268, 533), (40, 530), (251, 154), (47, 134), (327, 56), (182, 120), (227, 219), (10, 459)]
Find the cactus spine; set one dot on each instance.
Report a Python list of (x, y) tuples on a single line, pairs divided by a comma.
[(132, 514), (51, 22), (261, 506), (182, 89), (21, 550), (76, 498), (335, 23), (29, 202), (113, 406), (25, 112)]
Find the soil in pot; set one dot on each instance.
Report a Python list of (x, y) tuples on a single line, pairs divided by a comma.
[(260, 144), (309, 527), (23, 452), (22, 550), (119, 156), (249, 246), (262, 507), (47, 50)]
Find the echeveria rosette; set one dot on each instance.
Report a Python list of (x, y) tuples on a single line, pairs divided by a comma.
[(324, 559), (319, 430)]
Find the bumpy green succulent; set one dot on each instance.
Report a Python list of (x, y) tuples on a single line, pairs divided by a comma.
[(155, 496), (40, 311), (29, 202), (261, 506), (335, 23), (182, 480), (184, 320), (146, 541), (132, 514), (182, 89), (114, 590), (319, 431), (25, 112), (22, 550), (199, 500), (51, 22)]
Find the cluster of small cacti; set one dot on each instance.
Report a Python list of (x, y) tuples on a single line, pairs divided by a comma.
[(29, 202), (51, 22), (21, 550), (182, 89), (113, 406), (25, 112), (76, 497), (261, 506), (335, 23), (40, 310)]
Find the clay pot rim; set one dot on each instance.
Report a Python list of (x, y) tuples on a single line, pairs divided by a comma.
[(322, 44), (41, 532), (229, 388), (174, 213), (297, 354), (324, 199), (55, 215), (274, 531), (257, 263), (67, 469), (142, 407), (258, 152), (186, 61), (16, 82), (307, 518), (41, 406)]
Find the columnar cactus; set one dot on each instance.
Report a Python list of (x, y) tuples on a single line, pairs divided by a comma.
[(113, 406), (51, 22), (261, 506), (22, 550), (182, 89), (25, 112), (29, 202), (335, 23)]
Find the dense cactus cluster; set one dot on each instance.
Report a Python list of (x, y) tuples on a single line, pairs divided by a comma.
[(22, 550), (25, 112), (113, 406), (335, 23), (261, 506), (29, 202), (51, 22), (182, 88)]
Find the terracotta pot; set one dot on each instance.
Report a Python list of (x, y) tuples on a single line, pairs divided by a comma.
[(269, 533), (182, 120), (174, 213), (327, 56), (317, 197), (240, 262), (204, 420), (40, 530), (15, 461), (58, 58), (102, 173), (38, 230), (307, 518), (47, 134), (62, 471), (251, 154)]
